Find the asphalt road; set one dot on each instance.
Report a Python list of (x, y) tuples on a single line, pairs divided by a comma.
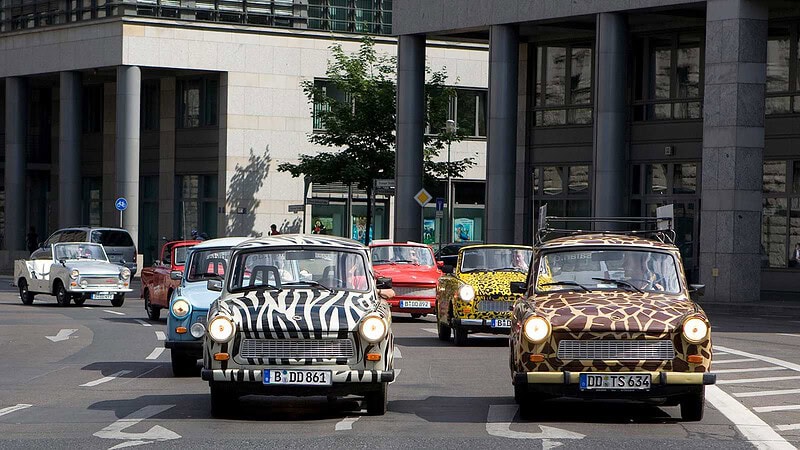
[(108, 384)]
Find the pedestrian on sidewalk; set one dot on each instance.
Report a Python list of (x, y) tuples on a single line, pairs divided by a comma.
[(273, 230)]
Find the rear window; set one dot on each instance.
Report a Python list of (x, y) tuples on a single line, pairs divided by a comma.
[(112, 238)]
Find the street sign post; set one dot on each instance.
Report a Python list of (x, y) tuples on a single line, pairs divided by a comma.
[(317, 201), (384, 183), (439, 204), (423, 197), (121, 204), (297, 208)]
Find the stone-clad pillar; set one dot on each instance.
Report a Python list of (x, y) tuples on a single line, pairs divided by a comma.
[(129, 91), (733, 147), (609, 159), (69, 150), (410, 129), (16, 138), (501, 139)]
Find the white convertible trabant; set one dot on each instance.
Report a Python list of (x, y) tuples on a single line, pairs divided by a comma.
[(72, 271)]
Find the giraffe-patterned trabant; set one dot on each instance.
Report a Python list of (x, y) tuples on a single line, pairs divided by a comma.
[(475, 295), (609, 316)]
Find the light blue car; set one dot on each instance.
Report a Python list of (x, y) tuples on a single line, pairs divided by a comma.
[(188, 307)]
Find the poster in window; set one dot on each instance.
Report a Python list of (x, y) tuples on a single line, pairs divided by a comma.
[(322, 225), (359, 226), (463, 229), (428, 231)]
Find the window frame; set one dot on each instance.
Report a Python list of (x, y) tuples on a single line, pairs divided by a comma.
[(540, 77)]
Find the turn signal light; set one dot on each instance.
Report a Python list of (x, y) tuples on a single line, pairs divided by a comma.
[(537, 358), (180, 330), (373, 356), (221, 356), (73, 284), (695, 359)]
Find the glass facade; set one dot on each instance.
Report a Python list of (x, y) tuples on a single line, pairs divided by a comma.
[(564, 85), (780, 219), (198, 102), (566, 190), (197, 205), (782, 70)]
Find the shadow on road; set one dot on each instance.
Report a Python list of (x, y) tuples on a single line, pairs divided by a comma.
[(433, 341), (137, 369)]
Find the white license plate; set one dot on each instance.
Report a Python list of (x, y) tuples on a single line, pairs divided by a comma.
[(414, 304), (298, 377), (102, 296), (501, 323), (614, 382)]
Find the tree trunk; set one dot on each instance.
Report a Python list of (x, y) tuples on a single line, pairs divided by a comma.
[(368, 225)]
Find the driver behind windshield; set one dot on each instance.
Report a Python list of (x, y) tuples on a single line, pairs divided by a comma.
[(639, 274)]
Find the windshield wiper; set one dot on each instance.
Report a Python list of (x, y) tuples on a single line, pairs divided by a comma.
[(566, 283), (508, 269), (309, 283), (268, 287), (619, 283), (382, 261)]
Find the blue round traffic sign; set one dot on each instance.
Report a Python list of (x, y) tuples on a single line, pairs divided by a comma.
[(121, 204)]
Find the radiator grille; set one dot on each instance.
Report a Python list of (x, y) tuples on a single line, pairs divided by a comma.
[(609, 349), (296, 348), (101, 281), (494, 305), (408, 291)]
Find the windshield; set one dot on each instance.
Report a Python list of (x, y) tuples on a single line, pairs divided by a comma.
[(79, 251), (495, 259), (208, 263), (402, 254), (300, 268), (631, 270)]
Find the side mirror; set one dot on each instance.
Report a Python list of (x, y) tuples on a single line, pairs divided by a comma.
[(175, 275), (156, 263), (440, 264), (383, 283), (122, 261), (214, 285), (446, 268), (699, 289), (518, 287), (63, 262), (41, 244)]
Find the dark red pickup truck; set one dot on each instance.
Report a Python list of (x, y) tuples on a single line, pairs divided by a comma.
[(160, 279)]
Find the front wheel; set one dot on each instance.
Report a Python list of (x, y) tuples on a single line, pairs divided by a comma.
[(183, 365), (24, 294), (119, 299), (224, 399), (79, 300), (153, 312), (529, 404), (62, 296), (416, 316), (443, 330), (460, 336), (693, 406), (378, 401)]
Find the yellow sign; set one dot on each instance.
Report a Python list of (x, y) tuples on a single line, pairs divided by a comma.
[(423, 197)]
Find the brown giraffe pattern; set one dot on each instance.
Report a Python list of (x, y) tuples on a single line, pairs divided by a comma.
[(607, 314)]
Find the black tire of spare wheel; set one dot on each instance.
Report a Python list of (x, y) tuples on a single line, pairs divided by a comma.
[(119, 299), (79, 300), (184, 365), (24, 294), (460, 336), (62, 296), (224, 399), (378, 401), (693, 406), (153, 312)]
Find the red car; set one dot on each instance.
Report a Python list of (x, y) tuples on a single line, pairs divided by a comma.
[(414, 275), (159, 280)]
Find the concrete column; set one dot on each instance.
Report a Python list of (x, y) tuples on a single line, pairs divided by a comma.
[(609, 159), (523, 206), (69, 150), (16, 138), (733, 148), (110, 215), (129, 87), (410, 129), (166, 160), (501, 133)]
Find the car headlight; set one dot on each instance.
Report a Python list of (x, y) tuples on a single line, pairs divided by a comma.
[(373, 329), (467, 293), (197, 330), (74, 274), (695, 330), (181, 308), (221, 329), (536, 329), (125, 273), (84, 283)]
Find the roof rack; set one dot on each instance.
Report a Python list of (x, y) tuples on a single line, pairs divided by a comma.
[(657, 228)]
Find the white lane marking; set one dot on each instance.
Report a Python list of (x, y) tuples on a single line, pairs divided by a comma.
[(155, 353), (750, 425), (767, 359), (144, 324), (731, 361), (346, 423), (17, 407), (397, 352), (430, 330), (758, 380), (766, 393), (718, 352), (776, 408), (62, 335), (106, 379), (753, 369), (114, 312), (500, 417), (87, 307), (156, 433), (790, 427), (396, 375), (789, 334), (160, 335)]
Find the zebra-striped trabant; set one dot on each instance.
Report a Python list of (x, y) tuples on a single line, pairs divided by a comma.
[(299, 315)]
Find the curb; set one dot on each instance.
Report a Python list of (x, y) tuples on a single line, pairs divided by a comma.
[(790, 311)]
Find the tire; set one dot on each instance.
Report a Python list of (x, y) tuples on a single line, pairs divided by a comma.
[(79, 300), (442, 329), (153, 312), (693, 406), (224, 399), (529, 404), (24, 294), (416, 316), (378, 401), (119, 299), (460, 336), (62, 296), (183, 365)]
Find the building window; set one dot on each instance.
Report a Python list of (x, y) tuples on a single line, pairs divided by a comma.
[(150, 105), (321, 104), (92, 201), (565, 190), (669, 84), (780, 219), (198, 100), (468, 109), (92, 107), (355, 16), (783, 85), (564, 85), (197, 205)]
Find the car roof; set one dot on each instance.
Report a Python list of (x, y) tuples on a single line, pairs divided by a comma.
[(397, 244), (183, 243), (221, 242), (85, 228), (512, 246), (595, 239), (302, 239)]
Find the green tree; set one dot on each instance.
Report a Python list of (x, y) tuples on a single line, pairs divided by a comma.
[(358, 119)]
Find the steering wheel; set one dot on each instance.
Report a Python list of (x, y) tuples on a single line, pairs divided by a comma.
[(651, 285)]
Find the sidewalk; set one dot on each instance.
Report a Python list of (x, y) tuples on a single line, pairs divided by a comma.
[(784, 304)]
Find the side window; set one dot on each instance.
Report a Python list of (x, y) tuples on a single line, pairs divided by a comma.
[(73, 236), (167, 256), (53, 238)]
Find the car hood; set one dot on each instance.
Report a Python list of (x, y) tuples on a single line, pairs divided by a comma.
[(492, 283), (614, 311), (94, 267), (197, 294), (408, 273), (299, 313)]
